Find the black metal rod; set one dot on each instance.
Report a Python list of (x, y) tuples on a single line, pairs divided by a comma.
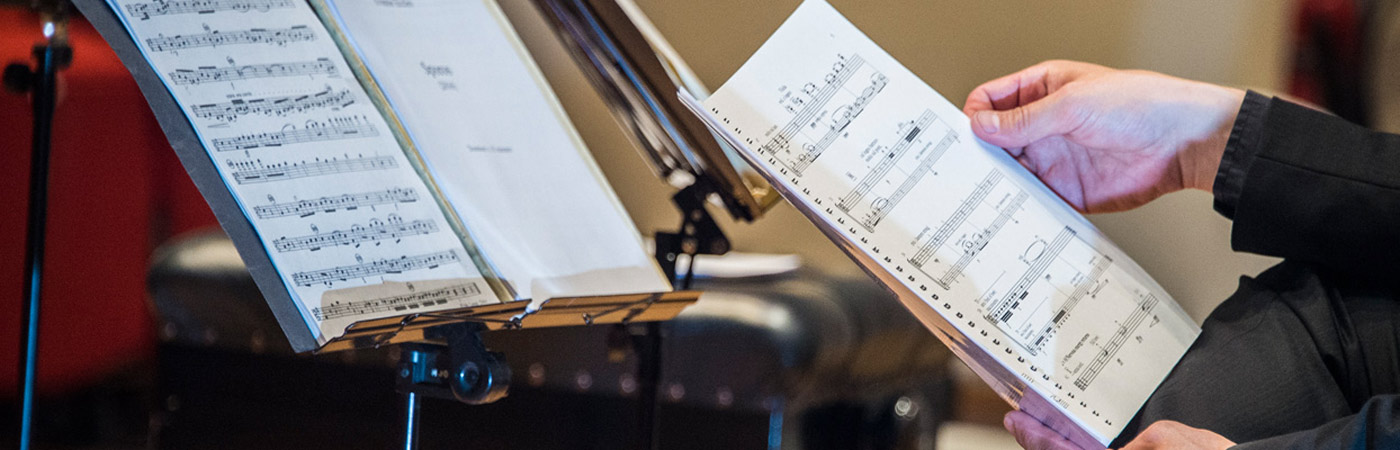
[(43, 107), (648, 346)]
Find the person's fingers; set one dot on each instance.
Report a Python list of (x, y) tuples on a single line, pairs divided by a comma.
[(1032, 435), (1025, 160), (1010, 91), (1171, 434), (1022, 125), (1026, 85), (980, 99)]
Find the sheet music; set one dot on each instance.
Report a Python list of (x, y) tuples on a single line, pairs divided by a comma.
[(309, 158), (499, 146), (869, 151)]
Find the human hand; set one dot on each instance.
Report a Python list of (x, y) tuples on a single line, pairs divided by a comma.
[(1103, 139), (1163, 434), (1033, 435)]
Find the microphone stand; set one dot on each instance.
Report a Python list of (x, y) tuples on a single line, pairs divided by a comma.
[(41, 82)]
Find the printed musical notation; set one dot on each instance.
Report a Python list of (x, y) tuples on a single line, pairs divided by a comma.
[(293, 136), (969, 229), (1127, 327), (973, 244), (969, 204), (274, 106), (392, 228), (275, 36), (248, 172), (399, 303), (805, 109), (839, 121), (1085, 285), (210, 74), (145, 11), (349, 202), (1041, 256), (336, 128), (375, 268), (812, 108), (922, 157)]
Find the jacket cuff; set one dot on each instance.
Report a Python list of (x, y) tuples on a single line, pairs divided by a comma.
[(1240, 152)]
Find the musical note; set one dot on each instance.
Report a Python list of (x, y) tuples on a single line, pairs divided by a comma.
[(275, 36), (405, 302), (956, 220), (144, 11), (274, 106), (335, 129), (840, 120), (304, 208), (887, 161), (805, 110), (1001, 309), (248, 172), (374, 268), (1116, 342), (391, 228), (210, 74)]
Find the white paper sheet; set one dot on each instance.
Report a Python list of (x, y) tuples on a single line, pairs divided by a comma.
[(499, 146), (872, 152), (309, 159)]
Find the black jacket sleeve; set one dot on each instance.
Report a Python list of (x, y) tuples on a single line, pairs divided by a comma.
[(1376, 426), (1311, 187)]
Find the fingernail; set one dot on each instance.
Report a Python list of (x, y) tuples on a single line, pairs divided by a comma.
[(989, 121)]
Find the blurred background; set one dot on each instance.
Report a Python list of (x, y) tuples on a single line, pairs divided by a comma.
[(111, 361)]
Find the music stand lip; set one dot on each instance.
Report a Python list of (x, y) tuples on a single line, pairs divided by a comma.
[(555, 312)]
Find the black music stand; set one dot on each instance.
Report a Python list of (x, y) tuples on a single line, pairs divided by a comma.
[(41, 83)]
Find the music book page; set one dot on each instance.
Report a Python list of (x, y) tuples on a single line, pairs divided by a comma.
[(499, 147), (1048, 311), (310, 160)]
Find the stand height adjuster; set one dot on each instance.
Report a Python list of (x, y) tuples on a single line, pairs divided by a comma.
[(469, 373)]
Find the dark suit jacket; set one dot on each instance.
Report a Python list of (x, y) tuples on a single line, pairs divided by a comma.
[(1315, 189)]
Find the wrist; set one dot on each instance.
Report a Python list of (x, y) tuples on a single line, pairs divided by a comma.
[(1201, 159)]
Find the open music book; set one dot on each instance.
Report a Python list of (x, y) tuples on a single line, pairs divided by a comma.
[(1058, 320), (390, 156)]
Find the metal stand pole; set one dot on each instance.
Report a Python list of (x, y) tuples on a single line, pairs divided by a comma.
[(698, 234), (51, 57), (410, 421), (648, 348)]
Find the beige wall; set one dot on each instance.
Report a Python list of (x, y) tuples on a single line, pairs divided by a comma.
[(955, 46)]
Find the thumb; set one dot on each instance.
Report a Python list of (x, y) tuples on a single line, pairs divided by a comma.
[(1020, 126)]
